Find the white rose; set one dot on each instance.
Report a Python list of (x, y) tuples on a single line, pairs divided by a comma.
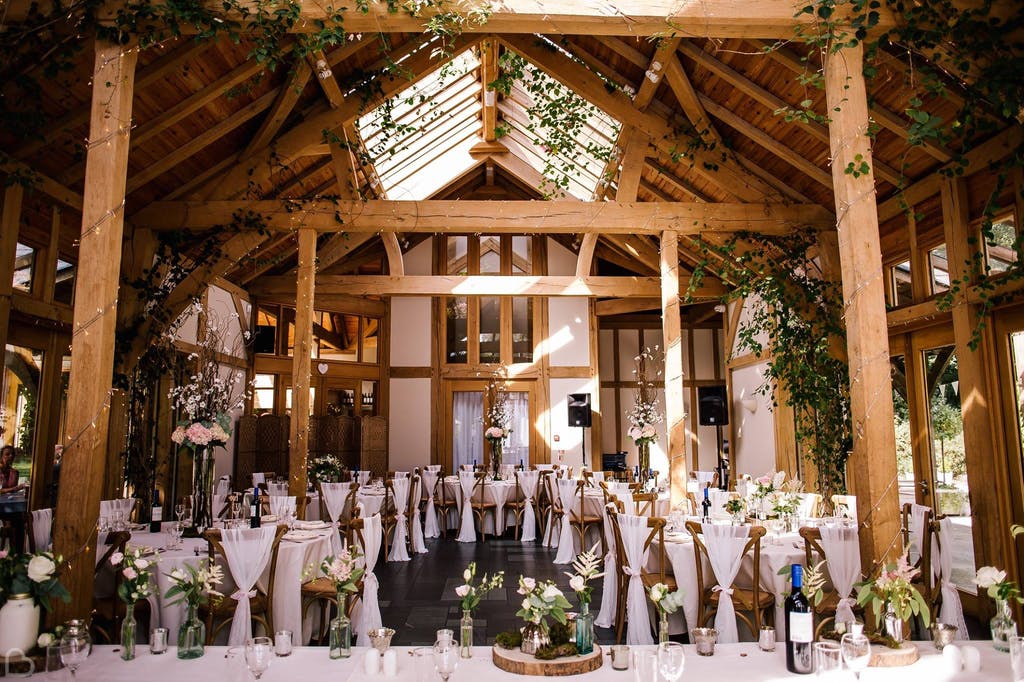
[(658, 592), (988, 576), (577, 583), (525, 605), (529, 584), (41, 568), (46, 639), (116, 558), (551, 592), (142, 564), (462, 590), (467, 575)]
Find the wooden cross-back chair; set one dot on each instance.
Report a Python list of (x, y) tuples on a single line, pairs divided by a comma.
[(580, 520), (348, 509), (301, 503), (656, 532), (555, 514), (645, 503), (261, 606), (825, 612), (517, 505), (480, 505), (320, 590), (109, 611), (544, 498), (443, 504), (755, 599)]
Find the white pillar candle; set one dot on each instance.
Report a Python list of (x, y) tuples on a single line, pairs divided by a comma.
[(390, 663), (371, 662)]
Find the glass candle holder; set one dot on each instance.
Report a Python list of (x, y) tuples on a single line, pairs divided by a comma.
[(620, 657), (283, 643), (766, 640), (158, 641), (704, 639)]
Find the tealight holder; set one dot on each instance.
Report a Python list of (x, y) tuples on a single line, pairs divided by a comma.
[(620, 657), (704, 639), (766, 640)]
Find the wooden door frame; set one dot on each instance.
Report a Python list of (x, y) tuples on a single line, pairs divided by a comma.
[(1006, 323), (451, 386)]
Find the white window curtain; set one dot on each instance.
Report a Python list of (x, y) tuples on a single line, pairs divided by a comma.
[(517, 447), (467, 428)]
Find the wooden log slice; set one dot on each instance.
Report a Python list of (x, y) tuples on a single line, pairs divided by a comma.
[(518, 663), (884, 657)]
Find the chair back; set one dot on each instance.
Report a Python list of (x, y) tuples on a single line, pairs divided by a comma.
[(275, 489), (478, 488), (414, 496), (645, 503), (39, 526), (810, 506), (217, 554), (845, 502), (706, 584)]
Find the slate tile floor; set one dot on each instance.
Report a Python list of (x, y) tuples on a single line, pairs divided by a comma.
[(418, 597)]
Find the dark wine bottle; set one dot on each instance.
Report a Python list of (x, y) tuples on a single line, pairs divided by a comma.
[(254, 510), (706, 506), (157, 513), (799, 626)]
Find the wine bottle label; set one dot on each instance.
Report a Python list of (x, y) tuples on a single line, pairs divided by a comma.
[(801, 627), (158, 514)]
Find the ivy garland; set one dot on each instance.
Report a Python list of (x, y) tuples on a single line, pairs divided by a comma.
[(795, 322)]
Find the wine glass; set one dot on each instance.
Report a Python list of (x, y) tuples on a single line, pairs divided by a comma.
[(671, 660), (856, 652), (75, 646), (179, 511), (446, 658), (258, 653)]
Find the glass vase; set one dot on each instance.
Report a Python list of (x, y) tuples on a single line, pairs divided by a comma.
[(496, 458), (644, 458), (128, 633), (191, 634), (341, 630), (584, 630), (466, 634), (893, 624), (202, 488), (1003, 626), (662, 627)]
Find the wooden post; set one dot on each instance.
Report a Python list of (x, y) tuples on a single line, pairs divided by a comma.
[(984, 448), (92, 344), (301, 362), (873, 461), (675, 417), (9, 222)]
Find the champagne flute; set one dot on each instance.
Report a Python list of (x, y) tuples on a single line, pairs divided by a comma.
[(671, 660), (258, 653), (856, 652)]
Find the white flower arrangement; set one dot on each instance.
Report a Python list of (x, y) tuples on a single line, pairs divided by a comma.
[(540, 600), (136, 574), (645, 413), (497, 418), (665, 601), (994, 582), (471, 594), (195, 584), (585, 568), (343, 569)]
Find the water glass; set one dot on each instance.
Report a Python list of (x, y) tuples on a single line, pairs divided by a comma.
[(423, 663), (645, 666), (283, 643), (671, 660), (1016, 643), (827, 658), (856, 650), (258, 654), (158, 641)]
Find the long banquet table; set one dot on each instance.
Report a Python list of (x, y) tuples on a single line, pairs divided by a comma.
[(730, 662)]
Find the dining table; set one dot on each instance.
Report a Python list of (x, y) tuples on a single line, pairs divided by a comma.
[(301, 549), (744, 661)]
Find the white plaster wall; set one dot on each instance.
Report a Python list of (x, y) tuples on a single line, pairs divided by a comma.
[(754, 450), (568, 449), (418, 260), (568, 332), (703, 354), (606, 354), (749, 304), (561, 261), (409, 425), (410, 331)]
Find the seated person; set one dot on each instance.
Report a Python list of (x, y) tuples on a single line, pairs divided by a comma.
[(8, 475)]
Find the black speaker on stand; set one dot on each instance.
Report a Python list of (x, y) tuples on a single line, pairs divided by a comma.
[(713, 410), (579, 415)]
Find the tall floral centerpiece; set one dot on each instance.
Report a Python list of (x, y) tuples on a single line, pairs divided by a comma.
[(894, 598), (764, 491), (497, 420), (134, 584), (540, 600), (28, 583), (645, 413), (344, 573), (471, 594), (994, 582), (326, 468), (666, 603), (194, 585), (204, 403), (585, 568)]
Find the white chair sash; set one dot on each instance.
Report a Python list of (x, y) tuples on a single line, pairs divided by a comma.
[(507, 471), (842, 558), (247, 551), (705, 478), (566, 547), (369, 612), (467, 467), (545, 467), (725, 552), (429, 480), (118, 507), (418, 546), (718, 498), (951, 611), (528, 484), (433, 467), (258, 478), (626, 497), (223, 486), (808, 501), (638, 625), (277, 489), (42, 523), (363, 477), (398, 549), (281, 505), (334, 500), (918, 512), (219, 501), (467, 532), (615, 486), (596, 477), (401, 474), (609, 594)]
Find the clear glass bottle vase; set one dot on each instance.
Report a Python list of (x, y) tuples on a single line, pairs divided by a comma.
[(191, 634), (341, 630), (1003, 626), (662, 627), (128, 633), (584, 630), (466, 634)]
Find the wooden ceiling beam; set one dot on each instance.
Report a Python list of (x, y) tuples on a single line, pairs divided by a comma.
[(287, 97), (480, 285), (489, 72), (506, 217), (43, 183)]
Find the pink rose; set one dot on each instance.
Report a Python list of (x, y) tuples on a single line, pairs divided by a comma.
[(764, 480), (198, 434), (178, 435), (130, 573)]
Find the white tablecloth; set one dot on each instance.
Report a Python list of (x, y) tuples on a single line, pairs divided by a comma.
[(775, 554), (292, 559), (730, 662)]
